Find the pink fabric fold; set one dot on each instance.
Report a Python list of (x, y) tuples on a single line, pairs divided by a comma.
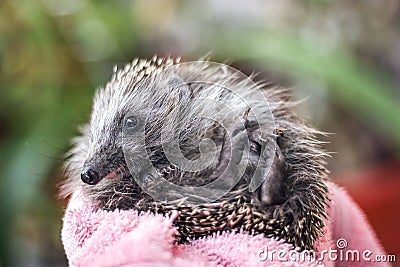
[(127, 238)]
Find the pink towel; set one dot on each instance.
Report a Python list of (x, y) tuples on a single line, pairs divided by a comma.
[(126, 238)]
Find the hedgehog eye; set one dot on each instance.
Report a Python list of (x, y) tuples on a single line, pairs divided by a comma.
[(130, 123)]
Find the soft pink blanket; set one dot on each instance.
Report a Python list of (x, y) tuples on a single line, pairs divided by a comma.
[(126, 238)]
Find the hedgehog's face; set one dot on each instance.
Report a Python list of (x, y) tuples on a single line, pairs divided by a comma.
[(113, 115)]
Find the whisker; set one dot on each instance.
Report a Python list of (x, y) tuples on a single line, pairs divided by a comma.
[(72, 170), (55, 147), (53, 158)]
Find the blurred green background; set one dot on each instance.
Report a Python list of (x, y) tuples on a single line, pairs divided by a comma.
[(342, 56)]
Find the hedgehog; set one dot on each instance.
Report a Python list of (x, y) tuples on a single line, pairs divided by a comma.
[(156, 117)]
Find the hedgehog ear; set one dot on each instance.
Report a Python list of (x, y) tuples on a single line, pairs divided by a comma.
[(271, 172), (179, 90)]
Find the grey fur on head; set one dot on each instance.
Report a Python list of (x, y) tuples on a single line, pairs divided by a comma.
[(292, 199)]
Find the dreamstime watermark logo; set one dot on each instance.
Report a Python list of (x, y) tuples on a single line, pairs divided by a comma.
[(340, 254), (181, 106), (341, 243)]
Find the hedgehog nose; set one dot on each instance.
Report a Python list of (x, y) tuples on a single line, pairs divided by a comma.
[(90, 176)]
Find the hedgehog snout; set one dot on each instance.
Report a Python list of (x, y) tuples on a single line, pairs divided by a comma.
[(90, 175)]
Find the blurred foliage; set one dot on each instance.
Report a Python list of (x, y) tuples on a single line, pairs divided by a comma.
[(54, 53)]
